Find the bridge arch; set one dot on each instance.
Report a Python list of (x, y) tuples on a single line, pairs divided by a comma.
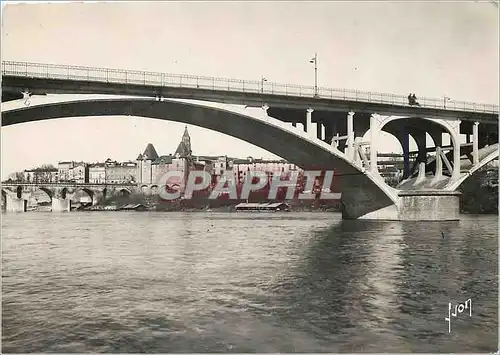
[(268, 133), (64, 192), (19, 192), (78, 191), (123, 191), (46, 190), (432, 125), (428, 125)]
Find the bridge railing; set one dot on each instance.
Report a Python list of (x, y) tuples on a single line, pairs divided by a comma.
[(68, 72)]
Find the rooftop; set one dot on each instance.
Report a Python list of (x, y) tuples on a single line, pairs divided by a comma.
[(184, 147), (41, 170), (97, 165), (150, 153)]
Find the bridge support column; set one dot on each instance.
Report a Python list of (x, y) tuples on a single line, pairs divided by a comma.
[(61, 204), (308, 125), (14, 204), (328, 133), (320, 129), (421, 140), (438, 175), (294, 124), (405, 139), (373, 144), (421, 174), (97, 198), (475, 143), (350, 136)]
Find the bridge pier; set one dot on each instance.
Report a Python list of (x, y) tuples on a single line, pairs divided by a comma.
[(415, 205), (61, 204), (98, 197), (14, 204), (429, 205)]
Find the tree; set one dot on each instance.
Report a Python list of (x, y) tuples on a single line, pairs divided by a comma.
[(44, 173), (17, 176), (47, 166)]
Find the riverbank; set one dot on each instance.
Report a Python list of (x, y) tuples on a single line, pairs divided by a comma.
[(139, 203), (479, 196)]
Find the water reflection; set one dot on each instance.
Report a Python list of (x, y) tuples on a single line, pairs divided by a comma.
[(435, 274), (215, 282)]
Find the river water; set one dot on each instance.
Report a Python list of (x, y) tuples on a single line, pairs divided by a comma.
[(256, 282)]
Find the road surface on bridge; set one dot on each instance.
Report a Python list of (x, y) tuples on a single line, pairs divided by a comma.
[(42, 78)]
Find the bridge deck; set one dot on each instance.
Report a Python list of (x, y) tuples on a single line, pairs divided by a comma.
[(62, 184), (129, 82)]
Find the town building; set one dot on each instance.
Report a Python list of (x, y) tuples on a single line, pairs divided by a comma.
[(120, 173), (41, 175), (65, 170), (80, 173), (240, 167), (151, 167), (97, 173), (145, 165)]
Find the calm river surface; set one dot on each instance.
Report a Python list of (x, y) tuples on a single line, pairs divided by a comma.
[(257, 282)]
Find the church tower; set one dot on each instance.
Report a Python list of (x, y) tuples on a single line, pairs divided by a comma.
[(184, 148), (183, 154)]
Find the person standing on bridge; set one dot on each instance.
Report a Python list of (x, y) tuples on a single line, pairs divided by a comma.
[(410, 99), (414, 100)]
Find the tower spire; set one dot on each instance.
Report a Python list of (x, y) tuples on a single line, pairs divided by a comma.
[(184, 147)]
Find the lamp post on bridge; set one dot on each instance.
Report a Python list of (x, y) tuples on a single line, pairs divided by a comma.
[(262, 81), (315, 61), (446, 98)]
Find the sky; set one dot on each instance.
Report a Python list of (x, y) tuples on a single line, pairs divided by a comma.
[(433, 49)]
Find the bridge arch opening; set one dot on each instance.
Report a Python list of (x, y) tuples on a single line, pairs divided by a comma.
[(4, 200), (83, 195), (42, 196), (264, 132), (124, 192), (416, 126), (390, 162), (19, 192)]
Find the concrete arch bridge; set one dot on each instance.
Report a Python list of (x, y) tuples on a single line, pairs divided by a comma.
[(427, 191)]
